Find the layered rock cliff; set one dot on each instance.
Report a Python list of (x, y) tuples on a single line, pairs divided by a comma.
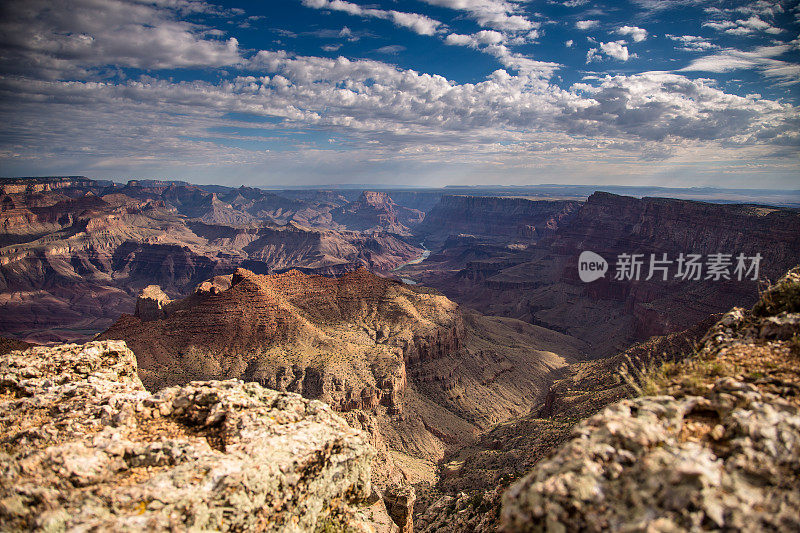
[(377, 211), (540, 284), (715, 444), (85, 447), (73, 257), (473, 478), (254, 327), (9, 345), (46, 184), (706, 442), (493, 219), (424, 373), (612, 225)]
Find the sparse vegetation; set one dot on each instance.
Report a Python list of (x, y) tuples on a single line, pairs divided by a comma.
[(648, 379), (746, 356), (783, 296), (794, 346), (334, 523)]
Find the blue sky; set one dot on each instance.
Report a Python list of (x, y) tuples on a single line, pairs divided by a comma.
[(416, 92)]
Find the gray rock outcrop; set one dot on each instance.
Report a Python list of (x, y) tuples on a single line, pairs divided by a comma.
[(717, 450), (84, 447), (635, 466)]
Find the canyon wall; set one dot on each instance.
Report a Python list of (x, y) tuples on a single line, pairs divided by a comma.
[(74, 254), (376, 211), (539, 282), (406, 355), (493, 219)]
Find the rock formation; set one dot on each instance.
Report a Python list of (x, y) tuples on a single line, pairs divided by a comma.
[(710, 430), (376, 211), (75, 252), (9, 345), (540, 283), (151, 302), (404, 363), (493, 219), (727, 459), (708, 441), (472, 479), (270, 318), (399, 502), (710, 438), (85, 447), (46, 184)]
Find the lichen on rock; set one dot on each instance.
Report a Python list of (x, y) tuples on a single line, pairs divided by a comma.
[(83, 446), (641, 462)]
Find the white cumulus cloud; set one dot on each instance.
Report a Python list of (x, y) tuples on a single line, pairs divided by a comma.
[(493, 43), (693, 43), (587, 24), (498, 14), (637, 34), (615, 49), (59, 111), (743, 26), (43, 40)]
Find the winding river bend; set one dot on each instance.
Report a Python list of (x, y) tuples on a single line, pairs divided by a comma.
[(414, 261)]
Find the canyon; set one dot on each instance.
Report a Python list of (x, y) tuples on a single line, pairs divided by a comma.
[(712, 438), (377, 211), (536, 280), (449, 331), (406, 360), (493, 220), (75, 253)]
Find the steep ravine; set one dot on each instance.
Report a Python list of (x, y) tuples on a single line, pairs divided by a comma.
[(708, 441)]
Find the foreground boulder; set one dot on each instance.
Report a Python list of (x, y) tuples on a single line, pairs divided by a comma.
[(638, 464), (715, 446), (84, 446)]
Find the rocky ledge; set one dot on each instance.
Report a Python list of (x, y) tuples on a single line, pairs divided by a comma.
[(715, 446), (83, 446), (636, 466)]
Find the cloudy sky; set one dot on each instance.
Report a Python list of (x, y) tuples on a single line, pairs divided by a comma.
[(412, 92)]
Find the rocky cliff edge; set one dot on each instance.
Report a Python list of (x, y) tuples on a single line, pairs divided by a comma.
[(714, 444), (83, 446)]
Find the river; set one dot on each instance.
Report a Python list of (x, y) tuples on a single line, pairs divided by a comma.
[(414, 261)]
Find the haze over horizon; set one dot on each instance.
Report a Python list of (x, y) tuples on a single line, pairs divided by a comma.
[(675, 93), (631, 189)]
